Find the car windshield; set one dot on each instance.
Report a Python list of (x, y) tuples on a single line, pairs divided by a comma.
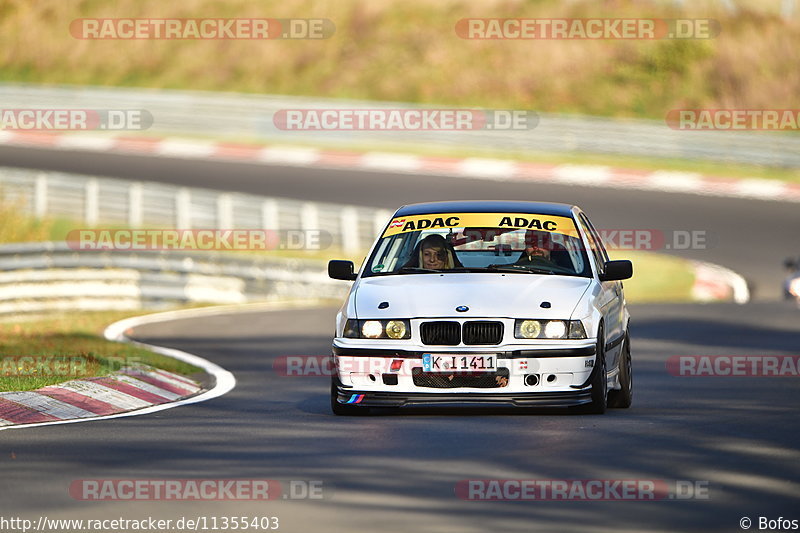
[(520, 243)]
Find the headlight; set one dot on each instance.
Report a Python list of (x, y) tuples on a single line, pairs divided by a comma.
[(555, 329), (794, 287), (371, 329), (549, 329), (377, 329)]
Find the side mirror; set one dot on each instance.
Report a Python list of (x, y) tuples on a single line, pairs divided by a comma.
[(341, 270), (617, 271)]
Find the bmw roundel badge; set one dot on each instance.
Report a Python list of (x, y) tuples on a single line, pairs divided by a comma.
[(462, 308)]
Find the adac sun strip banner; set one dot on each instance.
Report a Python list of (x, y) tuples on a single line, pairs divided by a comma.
[(552, 224)]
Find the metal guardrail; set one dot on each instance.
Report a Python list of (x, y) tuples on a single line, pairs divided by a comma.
[(39, 277), (229, 115), (95, 200)]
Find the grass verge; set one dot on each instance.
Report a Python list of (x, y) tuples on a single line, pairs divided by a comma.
[(46, 351), (657, 278)]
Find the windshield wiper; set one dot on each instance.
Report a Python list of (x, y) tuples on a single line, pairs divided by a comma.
[(518, 268)]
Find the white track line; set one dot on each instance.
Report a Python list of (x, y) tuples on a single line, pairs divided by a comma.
[(85, 142), (186, 149), (475, 167), (583, 174), (224, 380), (289, 156), (391, 162)]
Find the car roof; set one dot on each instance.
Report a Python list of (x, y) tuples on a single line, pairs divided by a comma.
[(486, 206)]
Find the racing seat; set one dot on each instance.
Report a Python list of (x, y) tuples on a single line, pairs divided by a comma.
[(560, 256)]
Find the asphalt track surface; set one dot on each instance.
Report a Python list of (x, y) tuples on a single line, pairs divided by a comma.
[(398, 472), (752, 237)]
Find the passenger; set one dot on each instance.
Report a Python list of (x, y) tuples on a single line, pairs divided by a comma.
[(435, 253)]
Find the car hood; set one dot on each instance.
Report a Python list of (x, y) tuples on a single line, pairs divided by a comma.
[(486, 295)]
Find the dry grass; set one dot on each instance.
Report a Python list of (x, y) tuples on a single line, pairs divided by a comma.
[(74, 338), (16, 226), (408, 51), (657, 278)]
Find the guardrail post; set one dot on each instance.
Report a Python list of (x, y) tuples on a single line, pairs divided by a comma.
[(224, 211), (309, 216), (40, 196), (379, 222), (349, 230), (183, 209), (135, 193), (92, 207), (269, 215)]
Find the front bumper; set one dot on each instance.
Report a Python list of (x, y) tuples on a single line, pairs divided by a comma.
[(452, 399), (551, 376)]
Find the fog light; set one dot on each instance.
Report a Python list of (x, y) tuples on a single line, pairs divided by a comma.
[(530, 329), (395, 329), (531, 380)]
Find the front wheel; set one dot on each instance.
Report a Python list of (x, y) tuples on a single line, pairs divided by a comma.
[(623, 397), (599, 380)]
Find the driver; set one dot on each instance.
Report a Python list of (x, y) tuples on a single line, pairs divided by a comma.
[(538, 248)]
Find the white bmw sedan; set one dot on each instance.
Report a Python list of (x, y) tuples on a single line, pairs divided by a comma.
[(484, 303)]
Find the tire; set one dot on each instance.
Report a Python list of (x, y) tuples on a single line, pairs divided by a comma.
[(599, 380), (340, 409), (623, 397)]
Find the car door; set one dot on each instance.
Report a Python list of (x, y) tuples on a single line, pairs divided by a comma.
[(611, 299)]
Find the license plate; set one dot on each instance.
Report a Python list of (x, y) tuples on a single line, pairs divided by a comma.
[(432, 362)]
